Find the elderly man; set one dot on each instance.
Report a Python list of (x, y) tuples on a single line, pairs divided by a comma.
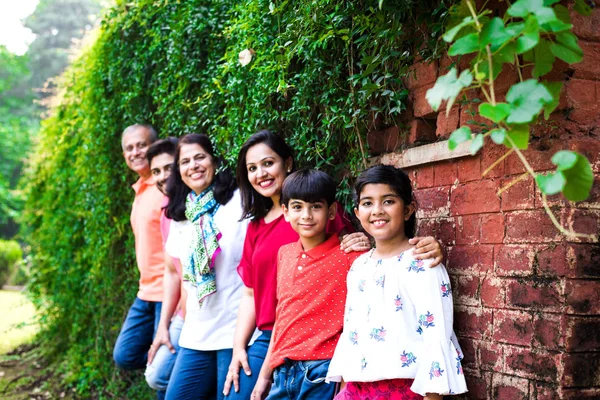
[(137, 332)]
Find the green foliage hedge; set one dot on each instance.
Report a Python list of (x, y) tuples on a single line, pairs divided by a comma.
[(322, 71), (10, 255)]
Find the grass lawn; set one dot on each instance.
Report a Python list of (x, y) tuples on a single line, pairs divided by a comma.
[(17, 325)]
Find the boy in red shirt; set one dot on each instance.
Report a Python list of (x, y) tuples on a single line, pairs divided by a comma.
[(311, 294)]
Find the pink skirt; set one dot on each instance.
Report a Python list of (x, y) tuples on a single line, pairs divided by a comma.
[(393, 389)]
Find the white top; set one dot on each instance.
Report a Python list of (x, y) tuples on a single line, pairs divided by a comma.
[(398, 324), (211, 326)]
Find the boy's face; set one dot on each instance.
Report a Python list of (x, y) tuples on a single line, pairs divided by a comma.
[(309, 219), (160, 167)]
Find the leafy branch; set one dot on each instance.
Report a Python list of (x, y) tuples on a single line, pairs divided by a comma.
[(537, 33)]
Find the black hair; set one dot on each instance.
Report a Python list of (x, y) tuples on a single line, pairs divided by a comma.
[(308, 185), (397, 180), (168, 145), (177, 190), (255, 205)]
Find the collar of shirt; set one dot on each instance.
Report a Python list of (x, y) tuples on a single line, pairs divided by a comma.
[(142, 184), (318, 251)]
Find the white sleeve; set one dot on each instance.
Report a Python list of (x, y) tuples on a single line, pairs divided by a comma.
[(174, 240)]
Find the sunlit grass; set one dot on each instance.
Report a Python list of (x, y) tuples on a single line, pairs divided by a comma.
[(17, 320)]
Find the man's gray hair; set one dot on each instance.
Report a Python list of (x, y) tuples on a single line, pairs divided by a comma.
[(148, 127)]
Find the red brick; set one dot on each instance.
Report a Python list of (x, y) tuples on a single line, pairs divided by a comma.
[(534, 293), (548, 331), (476, 122), (469, 350), (513, 260), (479, 384), (589, 68), (539, 161), (589, 147), (581, 369), (586, 27), (469, 169), (445, 173), (475, 198), (552, 261), (509, 387), (584, 260), (530, 227), (492, 228), (519, 196), (421, 108), (440, 228), (513, 327), (468, 229), (581, 394), (421, 131), (421, 74), (447, 124), (582, 334), (531, 363), (432, 202), (583, 222), (508, 77), (384, 141), (491, 356), (545, 391), (582, 296), (424, 177), (472, 322), (465, 289), (492, 292), (583, 98), (470, 259), (490, 154)]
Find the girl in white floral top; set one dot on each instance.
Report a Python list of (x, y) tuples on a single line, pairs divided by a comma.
[(398, 341)]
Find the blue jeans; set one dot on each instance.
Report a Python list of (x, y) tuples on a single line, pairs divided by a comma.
[(256, 356), (137, 333), (199, 374), (159, 372), (302, 380)]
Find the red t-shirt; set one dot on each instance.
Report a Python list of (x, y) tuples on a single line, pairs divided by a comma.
[(258, 268), (311, 293)]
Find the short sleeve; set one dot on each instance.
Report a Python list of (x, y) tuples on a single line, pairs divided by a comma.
[(173, 246), (341, 222), (245, 268), (439, 370)]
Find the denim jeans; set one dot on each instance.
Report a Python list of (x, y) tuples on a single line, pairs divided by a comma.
[(302, 380), (137, 333), (199, 374), (256, 356), (158, 373)]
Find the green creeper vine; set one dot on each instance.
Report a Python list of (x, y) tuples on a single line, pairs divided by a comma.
[(534, 32)]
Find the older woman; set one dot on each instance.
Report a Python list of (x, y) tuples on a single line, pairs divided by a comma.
[(207, 235)]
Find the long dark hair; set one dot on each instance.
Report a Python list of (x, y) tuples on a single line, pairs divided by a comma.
[(398, 181), (177, 191), (254, 204)]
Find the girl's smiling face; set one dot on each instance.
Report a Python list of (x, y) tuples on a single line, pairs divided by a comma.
[(266, 170), (382, 212)]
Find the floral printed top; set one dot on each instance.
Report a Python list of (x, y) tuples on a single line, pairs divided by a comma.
[(398, 324)]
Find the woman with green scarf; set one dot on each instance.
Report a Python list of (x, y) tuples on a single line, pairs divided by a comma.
[(207, 235)]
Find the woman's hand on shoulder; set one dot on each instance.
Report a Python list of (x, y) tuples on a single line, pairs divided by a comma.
[(239, 359), (356, 241), (427, 247)]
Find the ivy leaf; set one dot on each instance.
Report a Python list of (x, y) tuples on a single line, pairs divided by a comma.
[(465, 45), (498, 135), (505, 55), (562, 13), (530, 36), (524, 7), (551, 183), (577, 172), (543, 59), (496, 113), (459, 136), (554, 88), (550, 2), (514, 29), (447, 87), (526, 99), (476, 143), (566, 48), (494, 33), (519, 134), (451, 33), (582, 8)]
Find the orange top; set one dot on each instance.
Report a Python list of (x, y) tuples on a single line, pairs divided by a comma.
[(145, 222), (311, 293)]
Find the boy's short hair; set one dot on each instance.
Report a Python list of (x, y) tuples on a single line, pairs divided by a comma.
[(168, 145), (308, 185)]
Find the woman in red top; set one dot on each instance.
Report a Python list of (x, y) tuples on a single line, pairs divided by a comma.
[(264, 162)]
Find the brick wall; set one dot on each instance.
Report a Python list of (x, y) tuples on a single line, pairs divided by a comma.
[(527, 301)]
